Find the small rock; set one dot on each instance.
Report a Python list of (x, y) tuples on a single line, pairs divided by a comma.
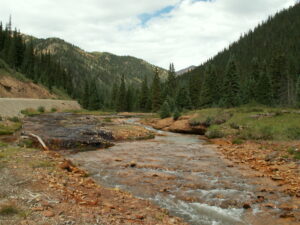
[(271, 156), (277, 178), (288, 207), (287, 215), (246, 206), (66, 165), (132, 164), (140, 217), (37, 209), (48, 213), (269, 205)]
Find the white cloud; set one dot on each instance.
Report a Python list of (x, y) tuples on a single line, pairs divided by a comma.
[(191, 33)]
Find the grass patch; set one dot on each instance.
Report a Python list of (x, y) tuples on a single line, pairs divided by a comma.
[(250, 122), (42, 164), (9, 210), (237, 141), (8, 152), (30, 112), (26, 143), (41, 109), (294, 152), (214, 133), (95, 113), (2, 144), (10, 129)]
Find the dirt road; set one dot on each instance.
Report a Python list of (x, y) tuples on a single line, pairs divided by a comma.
[(12, 106)]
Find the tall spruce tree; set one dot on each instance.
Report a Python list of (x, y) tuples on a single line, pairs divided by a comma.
[(144, 95), (231, 91), (121, 106), (156, 93)]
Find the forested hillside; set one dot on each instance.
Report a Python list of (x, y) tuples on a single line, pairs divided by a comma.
[(263, 66), (95, 79)]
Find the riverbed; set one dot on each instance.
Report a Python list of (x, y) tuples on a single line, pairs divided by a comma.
[(187, 176)]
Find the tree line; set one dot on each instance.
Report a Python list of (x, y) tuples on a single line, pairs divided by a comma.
[(20, 55), (263, 67)]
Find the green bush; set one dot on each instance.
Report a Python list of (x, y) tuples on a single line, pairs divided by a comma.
[(237, 141), (176, 114), (53, 110), (8, 210), (262, 133), (214, 133), (14, 119), (234, 126), (41, 109), (293, 133), (165, 110)]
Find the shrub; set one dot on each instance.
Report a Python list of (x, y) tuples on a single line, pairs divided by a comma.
[(1, 118), (237, 141), (234, 126), (263, 133), (165, 110), (14, 119), (53, 110), (41, 109), (8, 210), (176, 114), (214, 133), (293, 133)]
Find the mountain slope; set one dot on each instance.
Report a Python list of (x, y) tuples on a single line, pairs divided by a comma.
[(15, 85), (105, 67), (266, 63)]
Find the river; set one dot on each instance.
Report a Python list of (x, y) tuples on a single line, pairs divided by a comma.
[(187, 176)]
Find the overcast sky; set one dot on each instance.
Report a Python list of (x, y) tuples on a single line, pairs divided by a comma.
[(186, 32)]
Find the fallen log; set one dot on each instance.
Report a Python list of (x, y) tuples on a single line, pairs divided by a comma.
[(40, 141)]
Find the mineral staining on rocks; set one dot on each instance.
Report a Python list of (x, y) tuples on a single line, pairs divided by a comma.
[(68, 131)]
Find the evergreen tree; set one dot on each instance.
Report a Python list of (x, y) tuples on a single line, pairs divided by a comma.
[(183, 100), (194, 90), (264, 87), (298, 92), (156, 94), (231, 91), (86, 96), (171, 81), (121, 106), (144, 97), (165, 110)]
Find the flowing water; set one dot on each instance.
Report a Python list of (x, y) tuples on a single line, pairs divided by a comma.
[(185, 175)]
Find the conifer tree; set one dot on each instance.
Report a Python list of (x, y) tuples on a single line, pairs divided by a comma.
[(121, 106), (194, 90), (156, 94), (144, 96), (165, 110), (231, 91), (183, 100)]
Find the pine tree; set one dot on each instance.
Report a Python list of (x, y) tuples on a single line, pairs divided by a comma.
[(86, 95), (194, 90), (298, 92), (183, 100), (209, 87), (264, 87), (165, 110), (121, 106), (231, 91), (144, 97), (156, 94), (171, 81)]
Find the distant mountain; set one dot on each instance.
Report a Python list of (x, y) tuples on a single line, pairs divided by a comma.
[(186, 70), (103, 67)]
